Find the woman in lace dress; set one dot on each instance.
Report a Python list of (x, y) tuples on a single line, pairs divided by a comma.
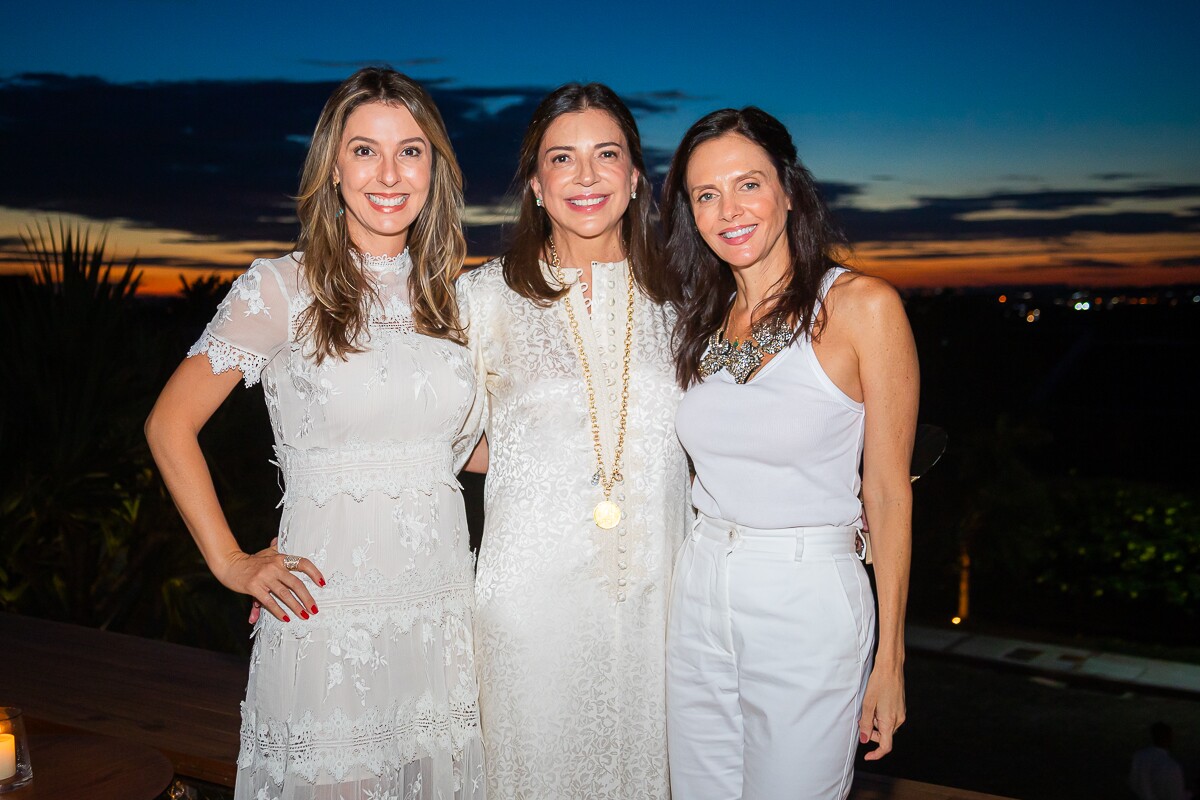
[(571, 589), (362, 684), (797, 371)]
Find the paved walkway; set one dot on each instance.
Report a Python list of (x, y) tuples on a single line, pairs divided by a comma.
[(1057, 660)]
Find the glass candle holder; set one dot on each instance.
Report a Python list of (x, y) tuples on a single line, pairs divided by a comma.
[(15, 769)]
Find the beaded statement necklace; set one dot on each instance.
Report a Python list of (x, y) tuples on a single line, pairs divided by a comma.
[(606, 514), (743, 358)]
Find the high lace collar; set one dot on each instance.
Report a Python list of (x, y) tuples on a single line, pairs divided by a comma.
[(384, 265)]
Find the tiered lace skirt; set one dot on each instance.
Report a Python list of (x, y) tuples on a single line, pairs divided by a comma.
[(375, 696)]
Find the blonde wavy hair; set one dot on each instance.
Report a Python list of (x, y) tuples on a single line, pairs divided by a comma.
[(342, 291)]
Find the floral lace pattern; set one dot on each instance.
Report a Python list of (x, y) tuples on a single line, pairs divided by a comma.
[(361, 468), (375, 695), (575, 705), (376, 740)]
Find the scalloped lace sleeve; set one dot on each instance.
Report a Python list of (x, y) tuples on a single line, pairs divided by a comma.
[(250, 326)]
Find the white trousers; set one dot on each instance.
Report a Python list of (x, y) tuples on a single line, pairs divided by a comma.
[(769, 645)]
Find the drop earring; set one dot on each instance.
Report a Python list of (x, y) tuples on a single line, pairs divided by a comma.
[(539, 202), (633, 195)]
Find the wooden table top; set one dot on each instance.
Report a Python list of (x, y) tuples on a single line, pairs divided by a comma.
[(185, 702), (95, 767), (182, 701)]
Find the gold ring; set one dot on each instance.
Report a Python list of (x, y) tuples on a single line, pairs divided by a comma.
[(291, 562)]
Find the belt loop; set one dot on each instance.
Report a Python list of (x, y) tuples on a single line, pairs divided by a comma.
[(800, 547)]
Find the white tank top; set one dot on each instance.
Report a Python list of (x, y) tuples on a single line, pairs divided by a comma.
[(779, 451)]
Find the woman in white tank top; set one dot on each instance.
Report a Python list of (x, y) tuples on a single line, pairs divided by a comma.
[(797, 371)]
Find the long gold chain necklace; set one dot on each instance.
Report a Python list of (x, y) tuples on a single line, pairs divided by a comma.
[(606, 514)]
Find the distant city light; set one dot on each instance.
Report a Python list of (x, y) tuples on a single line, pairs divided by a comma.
[(955, 620), (1084, 306), (1004, 298)]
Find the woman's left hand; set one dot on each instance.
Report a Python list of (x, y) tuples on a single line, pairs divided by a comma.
[(882, 710)]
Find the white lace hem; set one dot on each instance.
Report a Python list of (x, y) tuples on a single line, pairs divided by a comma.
[(223, 357), (376, 740)]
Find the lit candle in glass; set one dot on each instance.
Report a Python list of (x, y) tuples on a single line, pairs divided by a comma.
[(8, 755)]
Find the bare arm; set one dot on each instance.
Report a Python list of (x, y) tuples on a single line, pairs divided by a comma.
[(187, 401), (889, 376), (478, 462)]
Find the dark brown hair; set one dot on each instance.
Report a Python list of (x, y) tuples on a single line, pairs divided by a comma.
[(522, 272), (342, 291), (702, 284)]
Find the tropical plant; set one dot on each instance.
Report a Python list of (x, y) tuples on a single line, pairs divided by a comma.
[(88, 534)]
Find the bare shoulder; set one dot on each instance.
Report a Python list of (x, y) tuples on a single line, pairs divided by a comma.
[(857, 292), (859, 302)]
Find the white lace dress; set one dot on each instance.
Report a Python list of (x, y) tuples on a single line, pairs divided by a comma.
[(571, 619), (375, 696)]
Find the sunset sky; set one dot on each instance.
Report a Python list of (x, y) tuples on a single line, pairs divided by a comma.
[(960, 143)]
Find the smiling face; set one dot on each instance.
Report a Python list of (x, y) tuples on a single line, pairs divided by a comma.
[(738, 202), (584, 174), (384, 169)]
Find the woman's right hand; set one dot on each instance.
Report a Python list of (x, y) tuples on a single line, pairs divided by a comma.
[(263, 576)]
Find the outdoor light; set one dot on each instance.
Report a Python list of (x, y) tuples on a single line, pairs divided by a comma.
[(15, 770)]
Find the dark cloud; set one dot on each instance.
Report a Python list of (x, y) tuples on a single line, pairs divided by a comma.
[(221, 159), (836, 193), (1182, 261), (916, 255), (403, 62), (1118, 176), (1088, 263), (672, 96), (950, 218)]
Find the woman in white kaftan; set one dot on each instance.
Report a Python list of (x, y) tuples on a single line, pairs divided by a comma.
[(570, 617), (362, 680)]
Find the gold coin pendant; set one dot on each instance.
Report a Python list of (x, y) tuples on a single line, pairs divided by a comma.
[(606, 514)]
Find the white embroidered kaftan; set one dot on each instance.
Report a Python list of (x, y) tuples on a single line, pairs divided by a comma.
[(571, 619), (375, 696)]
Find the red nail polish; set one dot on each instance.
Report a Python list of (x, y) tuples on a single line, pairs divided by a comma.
[(314, 609), (322, 581), (303, 615), (287, 619)]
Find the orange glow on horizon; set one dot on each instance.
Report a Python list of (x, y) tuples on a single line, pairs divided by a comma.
[(1091, 260)]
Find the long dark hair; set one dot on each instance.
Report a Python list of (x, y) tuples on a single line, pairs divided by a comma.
[(702, 284), (336, 320), (522, 272)]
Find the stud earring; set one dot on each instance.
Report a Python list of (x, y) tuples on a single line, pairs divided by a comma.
[(633, 195), (341, 211), (539, 202)]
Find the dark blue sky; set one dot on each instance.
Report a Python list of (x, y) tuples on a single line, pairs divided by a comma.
[(904, 102)]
